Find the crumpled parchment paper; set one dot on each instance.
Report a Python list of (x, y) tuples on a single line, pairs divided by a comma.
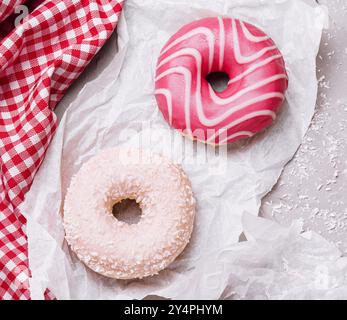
[(283, 263), (117, 107)]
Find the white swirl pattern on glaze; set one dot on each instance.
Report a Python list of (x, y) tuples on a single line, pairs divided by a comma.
[(190, 78), (222, 42), (205, 31), (246, 59), (167, 94), (245, 118), (203, 118), (251, 37), (255, 67), (225, 101)]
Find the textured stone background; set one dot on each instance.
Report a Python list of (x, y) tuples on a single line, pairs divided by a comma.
[(314, 185)]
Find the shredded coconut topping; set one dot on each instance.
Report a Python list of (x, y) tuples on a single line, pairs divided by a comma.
[(117, 249)]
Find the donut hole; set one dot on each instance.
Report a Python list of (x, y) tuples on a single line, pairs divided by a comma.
[(218, 80), (127, 211)]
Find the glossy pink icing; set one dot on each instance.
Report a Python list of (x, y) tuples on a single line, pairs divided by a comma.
[(255, 93), (114, 248)]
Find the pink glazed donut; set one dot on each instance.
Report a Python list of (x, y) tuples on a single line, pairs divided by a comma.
[(255, 92), (115, 248)]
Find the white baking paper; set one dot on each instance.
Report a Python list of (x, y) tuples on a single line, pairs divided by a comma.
[(116, 106), (283, 263)]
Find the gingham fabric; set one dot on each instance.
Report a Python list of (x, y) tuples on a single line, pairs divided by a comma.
[(39, 59), (8, 7)]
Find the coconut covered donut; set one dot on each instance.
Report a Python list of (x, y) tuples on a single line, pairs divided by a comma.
[(254, 94), (117, 249)]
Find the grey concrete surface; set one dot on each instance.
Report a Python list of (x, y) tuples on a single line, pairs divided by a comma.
[(313, 186)]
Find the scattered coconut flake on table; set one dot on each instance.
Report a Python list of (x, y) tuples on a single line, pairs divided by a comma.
[(315, 182), (111, 111)]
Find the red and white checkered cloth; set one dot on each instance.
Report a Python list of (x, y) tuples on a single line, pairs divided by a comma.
[(39, 59)]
